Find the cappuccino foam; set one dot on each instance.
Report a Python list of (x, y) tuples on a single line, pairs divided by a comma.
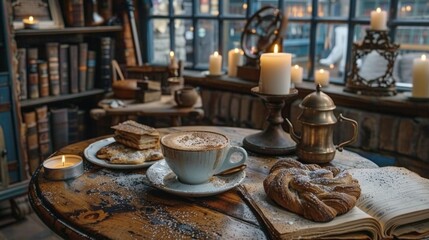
[(195, 141)]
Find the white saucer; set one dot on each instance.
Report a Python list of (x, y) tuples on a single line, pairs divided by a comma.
[(91, 155), (161, 177)]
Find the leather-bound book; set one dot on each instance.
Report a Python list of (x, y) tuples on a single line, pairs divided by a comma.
[(90, 74), (73, 124), (74, 11), (60, 128), (22, 72), (106, 56), (54, 68), (42, 68), (83, 59), (74, 68), (33, 75), (64, 68), (32, 140), (43, 131)]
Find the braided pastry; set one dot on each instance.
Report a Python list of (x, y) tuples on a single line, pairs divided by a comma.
[(316, 193)]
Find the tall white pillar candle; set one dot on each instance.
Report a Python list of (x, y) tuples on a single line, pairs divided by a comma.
[(421, 77), (215, 64), (322, 77), (275, 73), (234, 60), (378, 19), (296, 74)]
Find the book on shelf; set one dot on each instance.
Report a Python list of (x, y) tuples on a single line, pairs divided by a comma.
[(83, 59), (74, 11), (90, 74), (53, 68), (59, 127), (394, 203), (105, 66), (74, 68), (32, 140), (22, 72), (64, 68), (43, 132), (73, 130), (33, 75), (25, 169), (42, 68)]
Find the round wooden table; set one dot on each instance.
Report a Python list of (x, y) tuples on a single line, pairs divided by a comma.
[(121, 204)]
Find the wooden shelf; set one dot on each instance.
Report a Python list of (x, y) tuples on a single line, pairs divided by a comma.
[(51, 99), (67, 30)]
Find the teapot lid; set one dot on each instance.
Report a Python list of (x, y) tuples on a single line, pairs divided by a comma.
[(317, 100)]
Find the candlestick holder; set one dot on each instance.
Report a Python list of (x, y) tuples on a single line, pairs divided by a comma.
[(273, 140)]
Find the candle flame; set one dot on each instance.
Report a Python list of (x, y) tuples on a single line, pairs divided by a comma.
[(296, 66), (171, 54), (331, 66), (322, 70), (276, 48), (63, 160), (216, 53), (30, 18), (236, 50), (423, 57), (378, 10)]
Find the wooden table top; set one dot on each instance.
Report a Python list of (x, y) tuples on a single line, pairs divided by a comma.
[(121, 204)]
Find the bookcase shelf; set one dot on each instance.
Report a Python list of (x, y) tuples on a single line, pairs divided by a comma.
[(51, 99), (68, 30)]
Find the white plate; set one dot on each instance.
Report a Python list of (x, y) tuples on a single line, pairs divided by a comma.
[(91, 155), (162, 177)]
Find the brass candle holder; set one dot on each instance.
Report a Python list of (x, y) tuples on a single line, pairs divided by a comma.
[(273, 140)]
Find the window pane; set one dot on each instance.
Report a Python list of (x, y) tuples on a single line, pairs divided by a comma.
[(258, 4), (413, 9), (208, 7), (207, 41), (414, 42), (181, 41), (182, 7), (160, 7), (297, 42), (364, 8), (331, 47), (236, 8), (232, 36), (298, 8), (333, 8), (161, 41)]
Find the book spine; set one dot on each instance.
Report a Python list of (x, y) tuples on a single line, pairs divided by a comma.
[(75, 13), (59, 126), (73, 124), (22, 72), (54, 68), (90, 75), (106, 63), (74, 67), (83, 59), (64, 68), (32, 140), (43, 132), (33, 75), (43, 78)]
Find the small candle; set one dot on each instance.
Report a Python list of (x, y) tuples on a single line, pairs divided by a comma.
[(421, 77), (275, 72), (30, 23), (173, 62), (215, 64), (296, 74), (378, 19), (63, 167), (234, 60), (322, 77)]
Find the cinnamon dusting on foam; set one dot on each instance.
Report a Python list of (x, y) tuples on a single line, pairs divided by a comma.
[(195, 141)]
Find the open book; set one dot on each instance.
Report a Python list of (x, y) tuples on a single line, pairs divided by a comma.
[(394, 202)]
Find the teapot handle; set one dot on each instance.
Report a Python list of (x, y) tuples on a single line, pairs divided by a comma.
[(355, 132)]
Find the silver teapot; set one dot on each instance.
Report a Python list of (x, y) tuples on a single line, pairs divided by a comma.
[(315, 145)]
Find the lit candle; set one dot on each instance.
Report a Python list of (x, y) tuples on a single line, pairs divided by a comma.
[(63, 167), (173, 62), (296, 74), (215, 64), (30, 23), (378, 19), (275, 72), (234, 60), (322, 77), (421, 77)]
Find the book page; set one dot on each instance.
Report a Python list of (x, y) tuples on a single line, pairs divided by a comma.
[(395, 197), (287, 225)]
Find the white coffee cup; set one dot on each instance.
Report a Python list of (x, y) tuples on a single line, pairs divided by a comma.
[(195, 156)]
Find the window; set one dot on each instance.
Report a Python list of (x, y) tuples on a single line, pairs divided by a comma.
[(319, 34)]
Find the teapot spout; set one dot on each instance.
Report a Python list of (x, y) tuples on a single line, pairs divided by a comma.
[(292, 133)]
